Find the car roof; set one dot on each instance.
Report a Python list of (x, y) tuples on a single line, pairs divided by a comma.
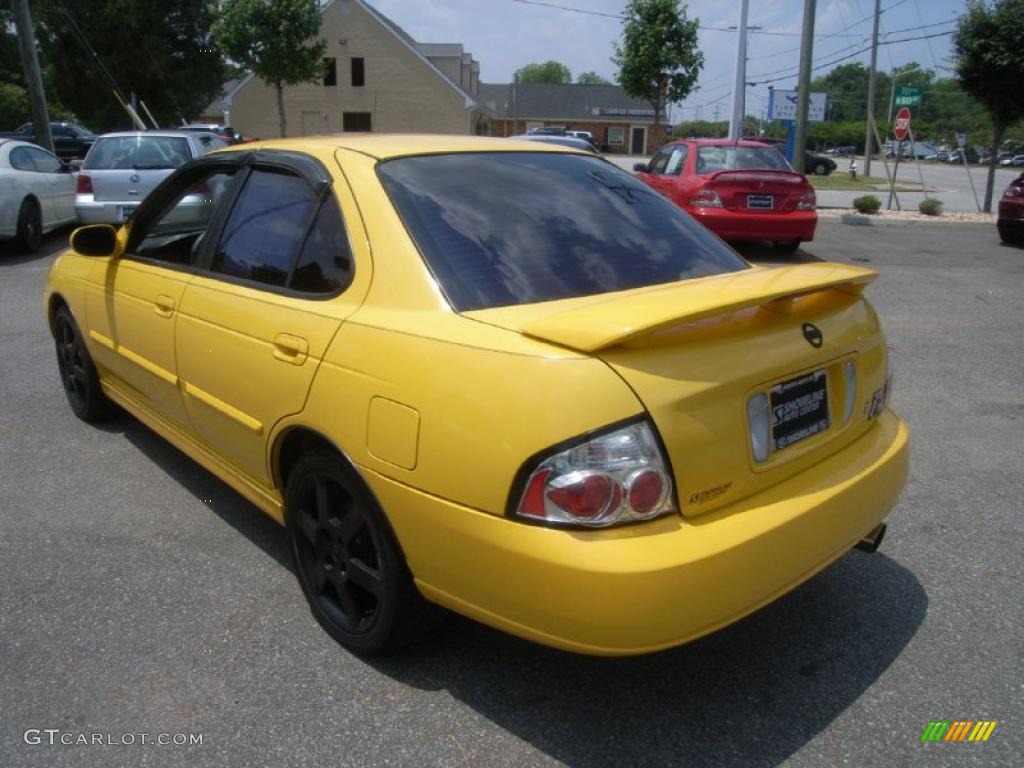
[(724, 142), (387, 145), (129, 134)]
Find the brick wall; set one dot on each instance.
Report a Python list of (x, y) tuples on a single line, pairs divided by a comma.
[(601, 130)]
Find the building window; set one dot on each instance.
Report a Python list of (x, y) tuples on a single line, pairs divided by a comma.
[(358, 72), (616, 135), (356, 121), (330, 71)]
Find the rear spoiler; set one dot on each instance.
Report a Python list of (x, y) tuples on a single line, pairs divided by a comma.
[(605, 321)]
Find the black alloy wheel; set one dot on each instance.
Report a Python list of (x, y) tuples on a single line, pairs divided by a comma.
[(347, 560), (30, 226), (77, 372)]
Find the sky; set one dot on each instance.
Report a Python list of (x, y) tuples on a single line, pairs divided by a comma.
[(507, 34)]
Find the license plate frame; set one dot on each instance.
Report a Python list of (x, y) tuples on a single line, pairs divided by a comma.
[(799, 408), (761, 202)]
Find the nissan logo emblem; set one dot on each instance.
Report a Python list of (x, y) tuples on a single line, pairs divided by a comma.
[(813, 335)]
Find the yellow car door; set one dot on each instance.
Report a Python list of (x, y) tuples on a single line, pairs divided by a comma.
[(264, 306), (133, 301)]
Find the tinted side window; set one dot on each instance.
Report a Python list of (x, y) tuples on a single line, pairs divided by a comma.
[(325, 264), (44, 161), (21, 160), (660, 160), (265, 229)]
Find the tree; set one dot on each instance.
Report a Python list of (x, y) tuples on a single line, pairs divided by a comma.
[(548, 72), (658, 59), (276, 40), (157, 49), (986, 49), (591, 78)]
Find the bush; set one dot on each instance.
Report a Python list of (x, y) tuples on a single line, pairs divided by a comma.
[(930, 207), (867, 204)]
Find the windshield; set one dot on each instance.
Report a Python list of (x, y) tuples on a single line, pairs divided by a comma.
[(501, 229), (139, 153), (731, 158)]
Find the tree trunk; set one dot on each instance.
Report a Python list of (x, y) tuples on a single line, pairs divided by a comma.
[(280, 109), (993, 163)]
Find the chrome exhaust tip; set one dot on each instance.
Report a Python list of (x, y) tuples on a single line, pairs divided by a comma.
[(871, 542)]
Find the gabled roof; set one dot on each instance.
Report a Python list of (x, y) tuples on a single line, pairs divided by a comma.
[(563, 101)]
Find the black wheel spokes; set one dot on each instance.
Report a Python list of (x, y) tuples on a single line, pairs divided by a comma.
[(339, 556), (72, 363)]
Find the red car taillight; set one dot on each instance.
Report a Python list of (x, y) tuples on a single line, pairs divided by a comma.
[(617, 477), (807, 202), (706, 198), (84, 185), (1014, 190)]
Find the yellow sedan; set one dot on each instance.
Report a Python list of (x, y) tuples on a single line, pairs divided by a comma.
[(500, 377)]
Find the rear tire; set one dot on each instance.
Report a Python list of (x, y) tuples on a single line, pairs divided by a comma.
[(347, 559), (77, 372), (29, 233), (821, 170), (786, 246)]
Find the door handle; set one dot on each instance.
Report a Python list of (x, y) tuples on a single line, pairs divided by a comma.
[(290, 349), (163, 305)]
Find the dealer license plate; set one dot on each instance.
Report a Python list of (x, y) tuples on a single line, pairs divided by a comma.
[(125, 212), (799, 408), (760, 202)]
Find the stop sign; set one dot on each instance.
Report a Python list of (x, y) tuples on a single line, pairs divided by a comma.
[(902, 126)]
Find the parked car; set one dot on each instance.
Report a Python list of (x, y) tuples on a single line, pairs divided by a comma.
[(70, 140), (37, 193), (739, 190), (547, 131), (585, 135), (957, 156), (1016, 161), (632, 455), (818, 165), (563, 141), (1010, 222), (122, 168), (225, 132)]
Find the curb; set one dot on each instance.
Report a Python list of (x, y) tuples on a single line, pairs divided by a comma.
[(862, 220)]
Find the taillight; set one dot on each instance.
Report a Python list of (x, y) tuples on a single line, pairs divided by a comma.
[(807, 202), (84, 185), (617, 477), (1014, 190), (706, 198)]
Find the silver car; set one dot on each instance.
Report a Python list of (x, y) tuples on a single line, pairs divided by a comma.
[(122, 168)]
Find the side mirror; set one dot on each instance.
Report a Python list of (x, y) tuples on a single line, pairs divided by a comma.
[(94, 240), (641, 167)]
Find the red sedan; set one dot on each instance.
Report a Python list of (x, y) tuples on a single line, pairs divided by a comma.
[(741, 190), (1011, 213)]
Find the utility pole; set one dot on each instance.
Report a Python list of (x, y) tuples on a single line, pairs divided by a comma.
[(33, 78), (871, 91), (803, 89), (739, 87)]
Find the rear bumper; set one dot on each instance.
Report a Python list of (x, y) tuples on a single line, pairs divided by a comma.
[(732, 225), (642, 588), (90, 212)]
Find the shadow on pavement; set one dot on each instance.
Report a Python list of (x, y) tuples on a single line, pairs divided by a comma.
[(765, 253), (12, 255)]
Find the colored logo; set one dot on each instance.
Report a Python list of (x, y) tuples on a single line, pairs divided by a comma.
[(958, 730)]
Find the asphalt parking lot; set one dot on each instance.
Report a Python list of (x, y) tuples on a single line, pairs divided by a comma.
[(142, 595)]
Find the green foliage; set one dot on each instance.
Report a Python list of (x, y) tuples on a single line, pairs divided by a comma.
[(658, 59), (930, 207), (546, 72), (989, 67), (275, 39), (867, 204), (157, 49), (591, 78), (701, 129), (14, 109)]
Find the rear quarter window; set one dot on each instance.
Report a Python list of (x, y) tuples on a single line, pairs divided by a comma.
[(501, 229)]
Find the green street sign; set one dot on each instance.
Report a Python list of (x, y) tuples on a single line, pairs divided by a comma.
[(907, 96)]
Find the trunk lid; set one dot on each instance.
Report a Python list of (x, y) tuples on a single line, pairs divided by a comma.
[(764, 191), (695, 352)]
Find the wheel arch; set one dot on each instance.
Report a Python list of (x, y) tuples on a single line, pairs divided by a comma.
[(53, 305)]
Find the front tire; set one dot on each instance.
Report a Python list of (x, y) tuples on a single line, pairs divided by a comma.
[(29, 233), (77, 372), (347, 560)]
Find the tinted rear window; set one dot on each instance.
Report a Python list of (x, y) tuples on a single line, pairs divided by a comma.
[(516, 228), (732, 158), (121, 153)]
